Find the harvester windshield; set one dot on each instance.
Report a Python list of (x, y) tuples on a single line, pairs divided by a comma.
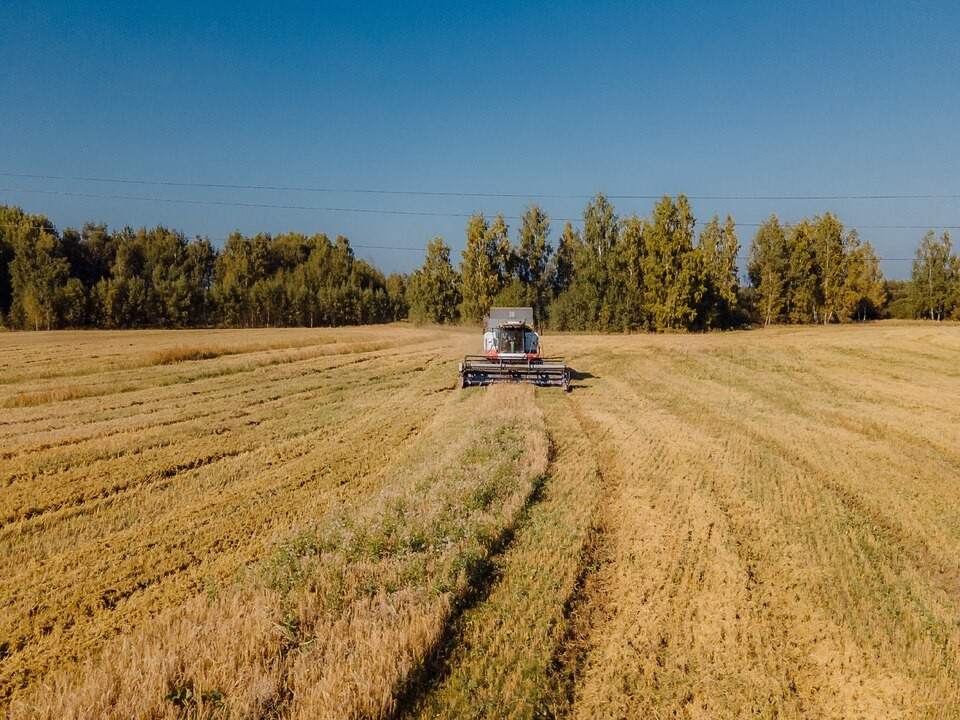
[(511, 340)]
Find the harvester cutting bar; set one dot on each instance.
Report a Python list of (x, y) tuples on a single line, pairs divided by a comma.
[(482, 370)]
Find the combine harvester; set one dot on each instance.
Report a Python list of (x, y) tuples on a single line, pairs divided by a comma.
[(511, 353)]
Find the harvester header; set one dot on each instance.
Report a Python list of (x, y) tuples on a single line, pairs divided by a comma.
[(511, 353)]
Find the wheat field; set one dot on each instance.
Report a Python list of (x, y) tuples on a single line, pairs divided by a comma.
[(318, 523)]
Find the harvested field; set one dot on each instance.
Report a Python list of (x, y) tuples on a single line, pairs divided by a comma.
[(316, 523)]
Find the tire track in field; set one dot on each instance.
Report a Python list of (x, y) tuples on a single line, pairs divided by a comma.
[(515, 649), (300, 440), (162, 581), (163, 472), (167, 403), (223, 388), (809, 390), (175, 373), (753, 537), (897, 557), (585, 606), (439, 662), (894, 534), (434, 425), (678, 588), (104, 485), (777, 645), (158, 441)]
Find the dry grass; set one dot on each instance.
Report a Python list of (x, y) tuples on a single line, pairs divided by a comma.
[(308, 348), (185, 353), (316, 524), (42, 397), (505, 659), (117, 506), (785, 526), (332, 620)]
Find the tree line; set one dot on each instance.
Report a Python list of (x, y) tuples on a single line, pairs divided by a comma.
[(656, 274), (615, 274), (94, 277), (814, 272), (934, 290)]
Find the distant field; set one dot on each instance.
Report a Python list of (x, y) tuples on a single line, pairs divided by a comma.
[(318, 523)]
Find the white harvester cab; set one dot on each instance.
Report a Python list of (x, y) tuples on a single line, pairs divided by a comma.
[(508, 332)]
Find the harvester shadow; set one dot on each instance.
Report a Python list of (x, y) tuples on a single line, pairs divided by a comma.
[(576, 377), (484, 574)]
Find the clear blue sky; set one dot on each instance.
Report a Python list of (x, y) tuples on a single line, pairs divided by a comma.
[(527, 99)]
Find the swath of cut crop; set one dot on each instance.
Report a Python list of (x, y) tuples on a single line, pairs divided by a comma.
[(333, 622), (503, 659), (143, 510)]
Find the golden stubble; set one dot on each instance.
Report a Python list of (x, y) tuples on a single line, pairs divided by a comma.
[(316, 524), (302, 561), (784, 532)]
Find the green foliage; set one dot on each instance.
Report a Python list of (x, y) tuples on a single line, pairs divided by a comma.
[(499, 250), (293, 280), (434, 292), (478, 271), (616, 275), (561, 266), (595, 261), (628, 264), (633, 273), (802, 296), (900, 299), (936, 278), (768, 267), (674, 275), (38, 273), (865, 292), (74, 304), (186, 698), (396, 286), (156, 277), (531, 262), (6, 257), (719, 248), (600, 229), (814, 272), (584, 275), (829, 244), (487, 266)]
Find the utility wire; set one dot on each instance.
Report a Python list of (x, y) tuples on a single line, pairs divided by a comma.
[(227, 203), (270, 206), (375, 211), (375, 191)]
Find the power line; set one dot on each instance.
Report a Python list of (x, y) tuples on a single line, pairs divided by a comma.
[(286, 188), (269, 206), (228, 203), (430, 193), (375, 211)]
